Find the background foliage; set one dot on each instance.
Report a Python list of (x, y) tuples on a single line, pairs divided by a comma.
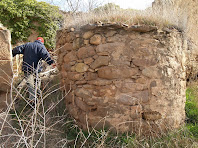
[(192, 110), (21, 16), (107, 8)]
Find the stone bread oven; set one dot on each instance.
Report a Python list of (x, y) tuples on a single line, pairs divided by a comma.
[(125, 78), (185, 13), (5, 68)]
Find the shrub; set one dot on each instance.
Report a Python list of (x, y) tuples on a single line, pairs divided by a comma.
[(22, 16)]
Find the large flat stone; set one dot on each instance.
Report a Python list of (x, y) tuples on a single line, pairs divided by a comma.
[(6, 74), (81, 67), (5, 49), (82, 93), (142, 29), (152, 115), (86, 52), (100, 61), (96, 39), (91, 76), (75, 76), (133, 98), (110, 72), (88, 34), (144, 62), (100, 82), (143, 96), (66, 47), (71, 56), (127, 100), (109, 47), (107, 91), (151, 72), (129, 86)]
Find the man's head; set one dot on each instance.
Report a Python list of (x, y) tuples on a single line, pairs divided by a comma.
[(40, 39)]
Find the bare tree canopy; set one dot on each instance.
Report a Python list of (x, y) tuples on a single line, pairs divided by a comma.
[(76, 5)]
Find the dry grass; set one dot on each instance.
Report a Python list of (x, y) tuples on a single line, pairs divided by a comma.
[(129, 17), (184, 11), (48, 125)]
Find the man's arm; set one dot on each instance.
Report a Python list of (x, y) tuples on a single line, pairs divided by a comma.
[(18, 50), (46, 56)]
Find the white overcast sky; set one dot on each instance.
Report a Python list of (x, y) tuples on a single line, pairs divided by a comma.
[(134, 4)]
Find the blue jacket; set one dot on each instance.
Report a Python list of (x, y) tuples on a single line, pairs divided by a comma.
[(33, 52)]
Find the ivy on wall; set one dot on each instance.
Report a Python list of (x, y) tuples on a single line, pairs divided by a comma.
[(22, 16)]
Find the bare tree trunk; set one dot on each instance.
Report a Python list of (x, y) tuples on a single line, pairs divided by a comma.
[(74, 5), (92, 4)]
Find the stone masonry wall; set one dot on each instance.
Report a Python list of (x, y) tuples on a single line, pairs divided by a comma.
[(5, 67), (186, 14), (126, 78)]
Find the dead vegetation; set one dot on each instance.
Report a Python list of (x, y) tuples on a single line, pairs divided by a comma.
[(128, 17)]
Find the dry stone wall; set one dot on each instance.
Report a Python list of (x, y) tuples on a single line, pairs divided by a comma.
[(185, 14), (125, 78), (5, 67)]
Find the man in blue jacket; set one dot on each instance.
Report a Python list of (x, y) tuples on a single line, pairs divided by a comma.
[(33, 54)]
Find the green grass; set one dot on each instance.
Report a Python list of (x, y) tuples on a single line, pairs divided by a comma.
[(192, 110), (186, 136), (62, 130)]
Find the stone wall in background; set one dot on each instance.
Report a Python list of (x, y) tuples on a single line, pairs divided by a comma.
[(125, 78), (5, 67)]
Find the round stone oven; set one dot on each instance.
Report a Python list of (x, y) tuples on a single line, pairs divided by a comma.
[(124, 78)]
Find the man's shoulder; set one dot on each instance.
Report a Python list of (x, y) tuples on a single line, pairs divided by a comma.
[(28, 43), (38, 42)]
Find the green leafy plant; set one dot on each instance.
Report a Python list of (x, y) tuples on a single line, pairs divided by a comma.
[(192, 111), (191, 106), (23, 16), (193, 128)]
